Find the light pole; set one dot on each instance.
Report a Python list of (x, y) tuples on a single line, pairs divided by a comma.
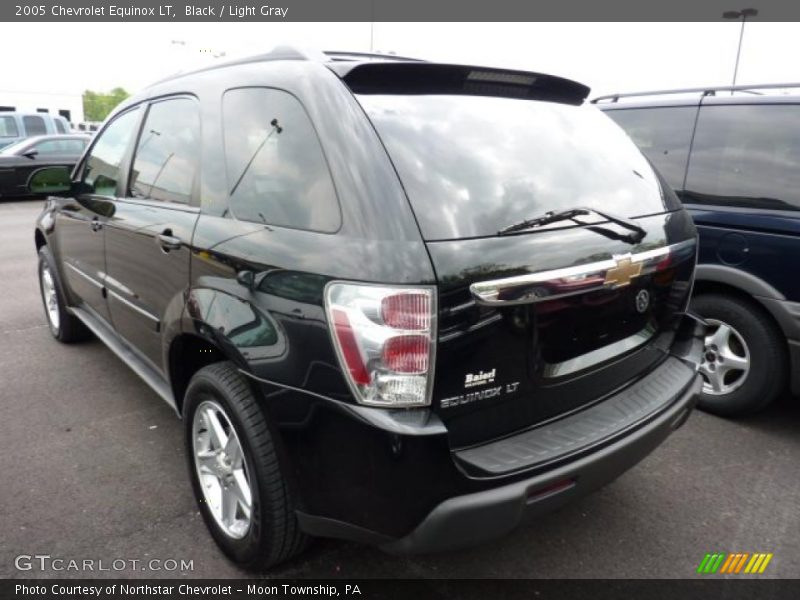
[(739, 14)]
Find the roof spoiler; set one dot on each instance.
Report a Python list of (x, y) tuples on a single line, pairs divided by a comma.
[(432, 78)]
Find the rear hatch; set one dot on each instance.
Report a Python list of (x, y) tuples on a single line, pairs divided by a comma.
[(537, 323)]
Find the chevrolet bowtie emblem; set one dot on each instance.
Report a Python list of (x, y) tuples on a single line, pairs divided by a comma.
[(622, 274)]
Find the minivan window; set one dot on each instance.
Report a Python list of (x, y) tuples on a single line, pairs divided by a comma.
[(472, 165), (8, 127), (663, 134), (34, 125), (277, 173), (746, 156), (168, 153), (102, 166)]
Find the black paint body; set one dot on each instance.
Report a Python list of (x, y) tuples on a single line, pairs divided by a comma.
[(254, 293)]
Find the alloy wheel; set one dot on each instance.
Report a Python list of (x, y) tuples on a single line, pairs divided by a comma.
[(50, 297), (221, 469), (726, 359)]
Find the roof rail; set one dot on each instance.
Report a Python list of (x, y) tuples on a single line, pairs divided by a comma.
[(337, 56), (705, 91)]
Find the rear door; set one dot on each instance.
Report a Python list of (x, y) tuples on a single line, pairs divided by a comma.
[(147, 241), (539, 323), (743, 189)]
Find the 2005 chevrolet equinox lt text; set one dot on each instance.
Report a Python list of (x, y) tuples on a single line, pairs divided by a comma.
[(397, 302)]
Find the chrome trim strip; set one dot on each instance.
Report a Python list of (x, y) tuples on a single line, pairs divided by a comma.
[(114, 283), (138, 309), (602, 354), (569, 281), (88, 278)]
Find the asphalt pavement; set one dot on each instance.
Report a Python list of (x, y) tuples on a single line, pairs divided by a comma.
[(93, 467)]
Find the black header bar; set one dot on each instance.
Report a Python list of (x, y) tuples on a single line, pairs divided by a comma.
[(391, 10)]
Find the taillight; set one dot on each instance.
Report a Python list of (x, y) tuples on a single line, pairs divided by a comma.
[(385, 341)]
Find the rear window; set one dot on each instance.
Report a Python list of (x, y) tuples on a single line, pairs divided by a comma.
[(8, 127), (472, 165), (34, 125)]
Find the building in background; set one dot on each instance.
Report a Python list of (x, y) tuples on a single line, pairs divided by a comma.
[(67, 105)]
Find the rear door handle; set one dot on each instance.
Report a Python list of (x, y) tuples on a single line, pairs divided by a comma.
[(167, 241)]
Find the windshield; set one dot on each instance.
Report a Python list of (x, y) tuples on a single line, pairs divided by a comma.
[(472, 165), (15, 147)]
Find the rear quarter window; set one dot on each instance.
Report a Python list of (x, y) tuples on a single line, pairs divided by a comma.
[(276, 171), (472, 165), (746, 156)]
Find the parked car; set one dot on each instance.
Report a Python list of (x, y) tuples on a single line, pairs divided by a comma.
[(89, 127), (15, 126), (396, 302), (734, 160), (22, 158)]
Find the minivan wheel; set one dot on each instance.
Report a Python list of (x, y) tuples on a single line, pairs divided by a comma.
[(237, 476), (64, 326), (744, 362)]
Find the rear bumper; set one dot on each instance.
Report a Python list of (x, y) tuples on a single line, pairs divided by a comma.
[(399, 485), (474, 518)]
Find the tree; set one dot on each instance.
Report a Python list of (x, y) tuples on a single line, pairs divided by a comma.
[(97, 105)]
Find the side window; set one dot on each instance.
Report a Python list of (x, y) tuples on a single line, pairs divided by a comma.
[(102, 167), (74, 146), (59, 126), (34, 125), (277, 173), (168, 152), (8, 127), (663, 134), (49, 147), (746, 156)]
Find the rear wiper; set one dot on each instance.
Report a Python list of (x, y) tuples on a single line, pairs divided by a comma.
[(637, 233)]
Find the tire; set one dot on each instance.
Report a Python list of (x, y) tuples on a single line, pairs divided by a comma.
[(64, 326), (271, 534), (751, 335)]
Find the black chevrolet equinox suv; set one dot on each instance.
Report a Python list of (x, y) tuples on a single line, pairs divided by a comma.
[(397, 302)]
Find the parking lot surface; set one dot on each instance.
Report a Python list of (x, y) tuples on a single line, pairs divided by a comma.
[(93, 467)]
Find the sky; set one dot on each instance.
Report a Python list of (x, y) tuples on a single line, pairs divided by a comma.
[(609, 57)]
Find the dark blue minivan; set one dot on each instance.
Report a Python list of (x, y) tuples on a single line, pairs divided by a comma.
[(733, 156)]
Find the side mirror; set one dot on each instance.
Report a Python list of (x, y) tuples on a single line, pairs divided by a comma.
[(32, 153), (50, 180)]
